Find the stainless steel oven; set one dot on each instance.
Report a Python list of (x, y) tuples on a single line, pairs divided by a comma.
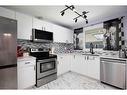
[(46, 66), (46, 71)]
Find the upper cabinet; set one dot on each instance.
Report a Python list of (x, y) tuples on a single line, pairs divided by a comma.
[(37, 24), (24, 26), (62, 34), (7, 13)]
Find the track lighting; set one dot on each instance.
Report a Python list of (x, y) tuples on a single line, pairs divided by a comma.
[(72, 8)]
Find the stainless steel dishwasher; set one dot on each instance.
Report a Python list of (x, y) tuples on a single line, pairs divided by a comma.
[(113, 72)]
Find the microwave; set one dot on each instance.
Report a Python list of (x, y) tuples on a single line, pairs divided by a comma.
[(42, 36)]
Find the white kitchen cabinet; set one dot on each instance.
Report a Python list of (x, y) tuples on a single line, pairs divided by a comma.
[(24, 26), (77, 64), (42, 25), (92, 64), (63, 65), (37, 24), (62, 34), (94, 67), (48, 26), (86, 65), (7, 13), (26, 72)]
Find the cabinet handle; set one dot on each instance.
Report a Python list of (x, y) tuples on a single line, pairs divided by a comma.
[(87, 57), (27, 62), (34, 67)]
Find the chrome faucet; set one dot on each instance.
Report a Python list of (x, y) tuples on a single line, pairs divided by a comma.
[(91, 48)]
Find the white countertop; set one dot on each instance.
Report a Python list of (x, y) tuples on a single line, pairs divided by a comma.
[(103, 56), (26, 58), (114, 57)]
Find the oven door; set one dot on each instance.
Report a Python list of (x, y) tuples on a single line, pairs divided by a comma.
[(46, 67)]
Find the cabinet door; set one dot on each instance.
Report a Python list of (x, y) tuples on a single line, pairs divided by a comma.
[(38, 24), (42, 25), (62, 34), (58, 34), (84, 66), (24, 26), (63, 65), (94, 67), (78, 64), (26, 77), (7, 13), (60, 66), (70, 36), (48, 26)]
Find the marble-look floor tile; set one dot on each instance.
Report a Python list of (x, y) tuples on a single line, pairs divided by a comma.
[(73, 80)]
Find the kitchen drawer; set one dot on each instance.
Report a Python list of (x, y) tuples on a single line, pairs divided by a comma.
[(26, 63)]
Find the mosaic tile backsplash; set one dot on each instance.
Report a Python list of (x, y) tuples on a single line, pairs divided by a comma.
[(61, 47), (58, 47)]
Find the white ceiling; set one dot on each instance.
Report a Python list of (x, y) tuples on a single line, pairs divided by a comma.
[(52, 13)]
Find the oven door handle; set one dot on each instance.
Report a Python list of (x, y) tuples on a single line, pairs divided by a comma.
[(47, 60)]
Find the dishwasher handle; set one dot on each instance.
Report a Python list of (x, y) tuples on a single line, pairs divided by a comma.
[(113, 62)]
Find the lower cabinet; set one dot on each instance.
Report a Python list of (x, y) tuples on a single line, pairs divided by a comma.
[(63, 64), (77, 64), (26, 73), (86, 65), (94, 67), (83, 64)]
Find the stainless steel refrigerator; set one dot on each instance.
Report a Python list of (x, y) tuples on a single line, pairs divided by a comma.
[(8, 56)]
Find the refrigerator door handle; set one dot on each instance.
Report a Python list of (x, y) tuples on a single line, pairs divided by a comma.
[(8, 66)]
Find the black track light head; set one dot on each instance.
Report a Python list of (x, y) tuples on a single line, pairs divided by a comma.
[(84, 16), (76, 20), (86, 21), (84, 12), (72, 7), (62, 13)]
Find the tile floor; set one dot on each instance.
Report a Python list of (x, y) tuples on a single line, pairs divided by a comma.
[(71, 80)]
